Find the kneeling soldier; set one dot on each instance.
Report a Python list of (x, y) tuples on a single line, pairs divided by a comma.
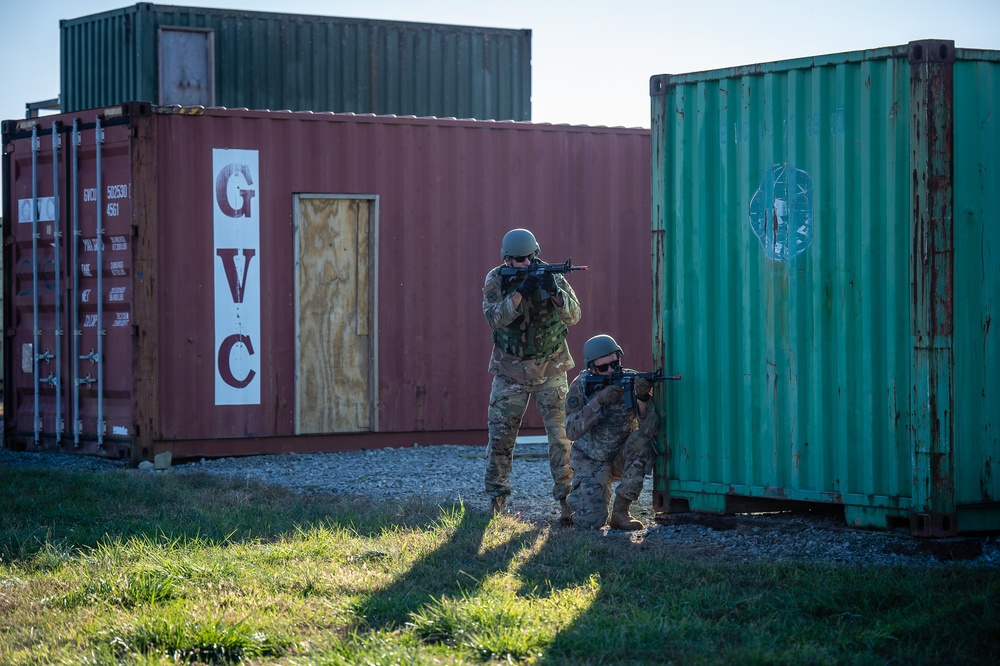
[(611, 442)]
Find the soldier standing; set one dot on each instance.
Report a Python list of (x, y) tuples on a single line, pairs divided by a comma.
[(611, 442), (530, 357)]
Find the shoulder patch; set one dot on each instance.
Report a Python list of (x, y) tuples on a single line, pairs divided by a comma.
[(574, 402), (492, 296)]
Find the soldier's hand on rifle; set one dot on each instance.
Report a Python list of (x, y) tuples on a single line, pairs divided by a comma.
[(528, 285), (549, 283), (610, 394), (642, 388)]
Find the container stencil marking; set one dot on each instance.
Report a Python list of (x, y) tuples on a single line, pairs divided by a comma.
[(236, 212)]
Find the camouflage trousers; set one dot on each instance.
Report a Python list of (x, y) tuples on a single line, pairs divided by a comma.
[(508, 402), (592, 479)]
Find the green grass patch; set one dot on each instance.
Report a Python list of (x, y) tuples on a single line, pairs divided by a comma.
[(190, 640), (128, 568)]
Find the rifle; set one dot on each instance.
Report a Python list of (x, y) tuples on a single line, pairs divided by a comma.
[(625, 379), (540, 270)]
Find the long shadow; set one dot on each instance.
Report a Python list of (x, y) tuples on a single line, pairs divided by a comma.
[(456, 568), (572, 558), (81, 509)]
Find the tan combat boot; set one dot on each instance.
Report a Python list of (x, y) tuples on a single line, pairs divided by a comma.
[(498, 504), (566, 513), (620, 518)]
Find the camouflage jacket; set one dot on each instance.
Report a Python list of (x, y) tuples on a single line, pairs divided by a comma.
[(599, 431), (500, 312)]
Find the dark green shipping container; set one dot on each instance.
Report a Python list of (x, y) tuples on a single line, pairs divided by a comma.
[(258, 60), (826, 255)]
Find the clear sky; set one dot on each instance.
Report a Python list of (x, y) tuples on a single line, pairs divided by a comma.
[(591, 61)]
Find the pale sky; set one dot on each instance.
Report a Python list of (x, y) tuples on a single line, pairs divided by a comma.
[(591, 61)]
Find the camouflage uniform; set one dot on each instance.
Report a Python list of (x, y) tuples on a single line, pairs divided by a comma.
[(611, 443), (517, 376)]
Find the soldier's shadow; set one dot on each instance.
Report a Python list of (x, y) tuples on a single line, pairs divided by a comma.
[(456, 568), (547, 573)]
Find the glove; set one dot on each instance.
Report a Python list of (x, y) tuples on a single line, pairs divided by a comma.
[(549, 283), (610, 394), (642, 388), (528, 286)]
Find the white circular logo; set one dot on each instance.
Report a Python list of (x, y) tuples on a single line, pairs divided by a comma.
[(781, 212)]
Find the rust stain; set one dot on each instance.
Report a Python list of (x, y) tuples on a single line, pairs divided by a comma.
[(775, 492), (986, 481)]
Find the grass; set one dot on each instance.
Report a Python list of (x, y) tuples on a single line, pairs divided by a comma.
[(125, 568)]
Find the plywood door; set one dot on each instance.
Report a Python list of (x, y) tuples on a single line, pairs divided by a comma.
[(333, 294)]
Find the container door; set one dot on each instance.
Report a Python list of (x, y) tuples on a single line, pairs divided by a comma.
[(187, 67), (70, 327), (334, 286)]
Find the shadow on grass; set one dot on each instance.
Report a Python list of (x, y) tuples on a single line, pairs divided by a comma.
[(457, 568), (64, 511), (609, 563), (70, 511), (643, 602)]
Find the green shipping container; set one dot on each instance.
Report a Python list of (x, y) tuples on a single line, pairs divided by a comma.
[(826, 254), (258, 60)]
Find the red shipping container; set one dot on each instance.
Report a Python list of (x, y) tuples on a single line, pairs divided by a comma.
[(211, 282)]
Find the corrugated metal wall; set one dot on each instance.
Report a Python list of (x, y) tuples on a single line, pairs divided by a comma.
[(783, 201), (447, 192), (318, 63), (977, 276), (2, 340), (442, 193)]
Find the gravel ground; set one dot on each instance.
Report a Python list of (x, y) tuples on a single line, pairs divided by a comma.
[(448, 473)]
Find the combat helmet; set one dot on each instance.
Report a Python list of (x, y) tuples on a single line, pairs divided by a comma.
[(599, 346), (518, 243)]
